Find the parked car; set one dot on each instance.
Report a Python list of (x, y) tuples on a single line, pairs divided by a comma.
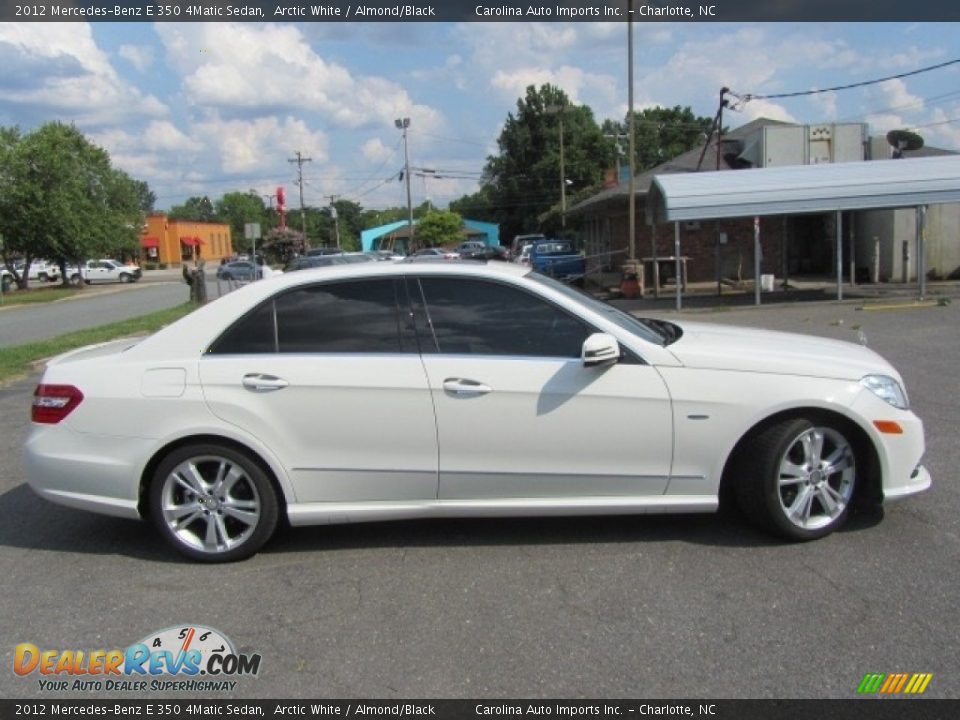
[(323, 251), (241, 270), (40, 271), (520, 240), (262, 405), (469, 247), (487, 252), (109, 271), (558, 259), (436, 252), (522, 256)]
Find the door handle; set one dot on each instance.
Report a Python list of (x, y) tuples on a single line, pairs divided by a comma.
[(465, 388), (259, 382)]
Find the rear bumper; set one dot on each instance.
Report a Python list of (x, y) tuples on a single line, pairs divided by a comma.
[(89, 472)]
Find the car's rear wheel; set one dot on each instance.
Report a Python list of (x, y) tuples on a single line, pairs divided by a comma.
[(213, 503), (75, 280), (797, 478)]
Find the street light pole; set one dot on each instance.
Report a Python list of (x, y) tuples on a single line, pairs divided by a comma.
[(403, 124)]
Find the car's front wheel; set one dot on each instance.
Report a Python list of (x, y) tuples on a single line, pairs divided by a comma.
[(797, 478), (213, 503), (126, 277)]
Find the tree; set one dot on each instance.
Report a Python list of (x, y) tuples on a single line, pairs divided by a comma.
[(281, 245), (660, 134), (439, 227), (237, 209), (523, 181), (195, 209), (61, 199)]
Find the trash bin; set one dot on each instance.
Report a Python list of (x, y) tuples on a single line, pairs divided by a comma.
[(631, 282)]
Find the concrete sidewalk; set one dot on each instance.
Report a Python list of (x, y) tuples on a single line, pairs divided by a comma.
[(703, 295)]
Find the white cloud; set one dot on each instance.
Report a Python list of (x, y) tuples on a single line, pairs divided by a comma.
[(137, 55), (895, 95), (375, 151), (946, 132), (825, 105), (244, 146), (243, 67), (71, 75)]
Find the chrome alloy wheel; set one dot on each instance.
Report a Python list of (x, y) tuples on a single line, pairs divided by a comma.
[(817, 474), (210, 503)]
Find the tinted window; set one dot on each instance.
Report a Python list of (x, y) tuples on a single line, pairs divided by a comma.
[(489, 318), (253, 333), (349, 317)]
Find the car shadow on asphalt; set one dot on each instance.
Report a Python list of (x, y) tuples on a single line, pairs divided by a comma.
[(29, 522)]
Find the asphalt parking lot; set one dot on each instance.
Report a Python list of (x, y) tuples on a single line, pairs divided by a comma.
[(648, 607)]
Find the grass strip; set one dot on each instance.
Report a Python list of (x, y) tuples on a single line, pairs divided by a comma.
[(17, 361), (39, 295)]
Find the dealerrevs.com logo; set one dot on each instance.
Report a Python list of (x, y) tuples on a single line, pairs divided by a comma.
[(187, 658)]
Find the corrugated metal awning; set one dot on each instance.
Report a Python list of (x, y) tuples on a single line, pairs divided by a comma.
[(804, 189)]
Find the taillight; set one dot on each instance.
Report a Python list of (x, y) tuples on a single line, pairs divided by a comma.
[(52, 403)]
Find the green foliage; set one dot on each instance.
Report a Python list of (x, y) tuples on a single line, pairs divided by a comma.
[(660, 134), (523, 182), (61, 199), (196, 209), (281, 245), (439, 227), (237, 209)]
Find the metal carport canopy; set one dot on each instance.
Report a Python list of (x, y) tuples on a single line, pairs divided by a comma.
[(804, 189)]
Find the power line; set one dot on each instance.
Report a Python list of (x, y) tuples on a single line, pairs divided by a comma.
[(748, 97)]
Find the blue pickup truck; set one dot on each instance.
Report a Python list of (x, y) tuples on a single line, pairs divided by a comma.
[(558, 259)]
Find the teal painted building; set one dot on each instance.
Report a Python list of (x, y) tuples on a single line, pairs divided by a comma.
[(396, 236)]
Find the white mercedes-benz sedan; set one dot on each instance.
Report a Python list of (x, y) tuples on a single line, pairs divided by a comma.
[(356, 392)]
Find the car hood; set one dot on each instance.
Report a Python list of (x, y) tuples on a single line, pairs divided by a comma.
[(723, 347)]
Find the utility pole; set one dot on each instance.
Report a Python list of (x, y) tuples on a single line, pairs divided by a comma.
[(300, 160), (336, 222), (559, 110), (403, 124), (631, 150)]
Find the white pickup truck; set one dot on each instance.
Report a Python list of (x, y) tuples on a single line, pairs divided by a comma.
[(110, 271)]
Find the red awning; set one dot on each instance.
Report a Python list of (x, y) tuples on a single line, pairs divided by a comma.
[(149, 242), (192, 241)]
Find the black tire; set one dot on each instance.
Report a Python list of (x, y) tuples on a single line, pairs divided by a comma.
[(43, 277), (126, 277), (192, 515), (75, 280), (797, 478), (86, 281)]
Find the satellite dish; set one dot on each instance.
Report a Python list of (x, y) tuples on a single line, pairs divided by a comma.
[(901, 140)]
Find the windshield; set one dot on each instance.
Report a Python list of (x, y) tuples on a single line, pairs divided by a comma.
[(656, 331)]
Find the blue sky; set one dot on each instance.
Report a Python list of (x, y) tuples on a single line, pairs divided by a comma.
[(203, 109)]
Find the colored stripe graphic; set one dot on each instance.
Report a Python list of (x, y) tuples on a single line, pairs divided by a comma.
[(894, 683)]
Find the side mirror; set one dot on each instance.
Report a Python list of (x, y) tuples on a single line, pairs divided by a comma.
[(600, 349)]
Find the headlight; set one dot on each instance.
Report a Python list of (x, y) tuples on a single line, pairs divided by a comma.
[(888, 389)]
